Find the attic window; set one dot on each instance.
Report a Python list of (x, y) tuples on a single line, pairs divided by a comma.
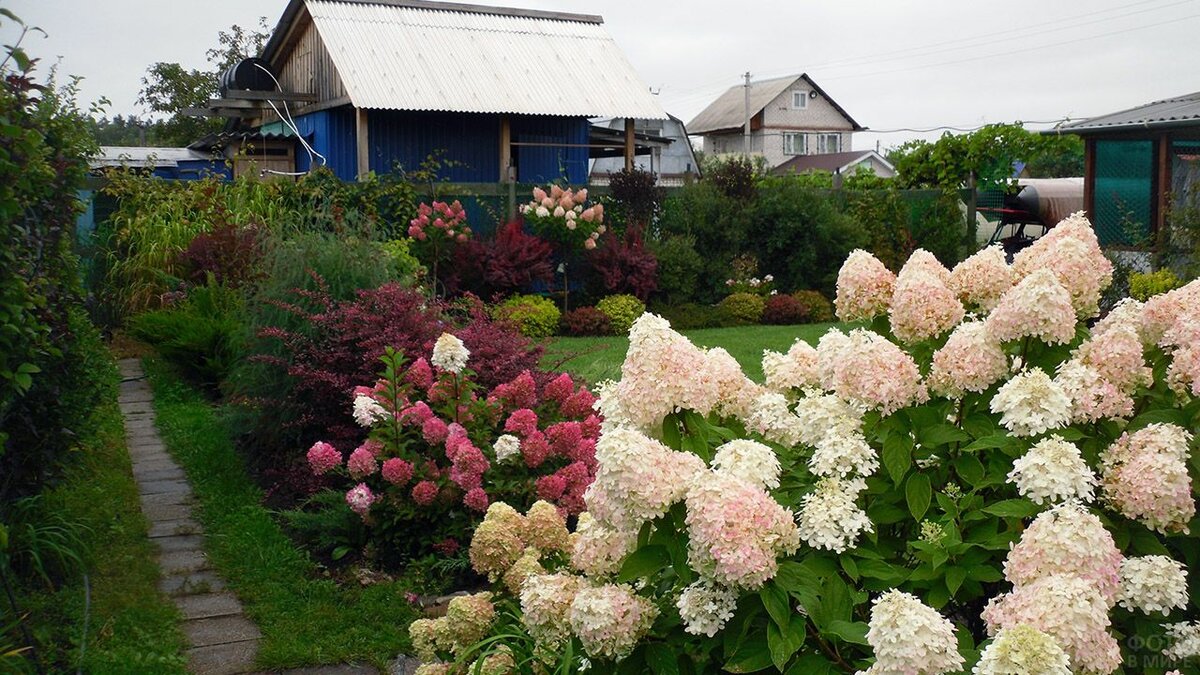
[(799, 100)]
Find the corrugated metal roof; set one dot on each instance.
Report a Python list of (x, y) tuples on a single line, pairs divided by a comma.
[(144, 157), (416, 58), (832, 161), (1170, 112), (729, 110)]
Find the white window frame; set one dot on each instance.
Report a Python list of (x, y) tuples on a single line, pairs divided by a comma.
[(789, 143), (799, 100), (820, 143)]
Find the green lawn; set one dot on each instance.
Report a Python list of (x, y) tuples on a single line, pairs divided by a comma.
[(599, 358), (130, 626), (306, 619)]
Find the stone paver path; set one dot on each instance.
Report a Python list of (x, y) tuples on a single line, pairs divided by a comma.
[(222, 640)]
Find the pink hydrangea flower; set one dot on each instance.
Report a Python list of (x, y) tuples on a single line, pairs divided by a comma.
[(866, 368), (864, 287), (1039, 306), (736, 531), (361, 463), (434, 430), (981, 279), (360, 499), (578, 404), (1145, 477), (559, 388), (521, 392), (416, 414), (476, 499), (969, 361), (522, 422), (1072, 253), (535, 449), (397, 471), (1067, 539), (564, 437), (425, 492), (419, 374), (922, 306), (323, 457), (551, 487)]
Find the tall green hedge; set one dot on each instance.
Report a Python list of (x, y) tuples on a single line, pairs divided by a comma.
[(47, 344)]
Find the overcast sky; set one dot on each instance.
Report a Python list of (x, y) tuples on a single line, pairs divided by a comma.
[(891, 65)]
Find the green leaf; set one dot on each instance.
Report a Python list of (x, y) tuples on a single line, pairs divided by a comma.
[(775, 600), (989, 442), (812, 663), (1013, 508), (644, 562), (339, 552), (970, 468), (984, 574), (942, 434), (835, 603), (853, 632), (918, 495), (784, 642), (954, 579), (661, 659), (752, 655), (850, 567), (897, 456)]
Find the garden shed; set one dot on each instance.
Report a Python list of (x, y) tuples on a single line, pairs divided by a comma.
[(504, 94), (1138, 165)]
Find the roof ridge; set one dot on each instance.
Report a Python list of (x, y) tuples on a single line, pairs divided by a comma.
[(468, 8)]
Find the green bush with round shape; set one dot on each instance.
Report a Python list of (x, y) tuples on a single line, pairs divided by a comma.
[(744, 308), (1145, 285), (622, 311), (820, 310), (535, 316)]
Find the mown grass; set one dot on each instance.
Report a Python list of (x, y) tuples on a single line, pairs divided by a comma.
[(599, 358), (305, 619), (131, 627)]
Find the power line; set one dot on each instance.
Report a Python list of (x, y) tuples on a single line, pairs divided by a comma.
[(1056, 45), (991, 38)]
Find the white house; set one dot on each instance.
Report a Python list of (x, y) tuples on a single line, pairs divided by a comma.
[(673, 165), (846, 163), (789, 116)]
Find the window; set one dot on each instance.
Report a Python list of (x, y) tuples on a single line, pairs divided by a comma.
[(799, 100), (827, 143), (795, 144)]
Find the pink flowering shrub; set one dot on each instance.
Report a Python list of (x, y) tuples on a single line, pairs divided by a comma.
[(435, 232), (440, 449), (564, 216), (977, 482)]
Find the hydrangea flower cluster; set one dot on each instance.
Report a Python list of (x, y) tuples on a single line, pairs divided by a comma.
[(864, 287), (908, 636), (560, 214), (437, 443), (1153, 583), (441, 220), (923, 305), (1053, 470), (982, 279), (1145, 477), (707, 484)]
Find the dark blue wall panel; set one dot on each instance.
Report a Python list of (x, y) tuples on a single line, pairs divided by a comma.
[(331, 133), (546, 164)]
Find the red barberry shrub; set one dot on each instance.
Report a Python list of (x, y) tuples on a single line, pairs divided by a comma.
[(586, 321), (784, 310)]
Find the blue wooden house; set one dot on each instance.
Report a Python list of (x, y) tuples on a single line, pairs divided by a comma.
[(504, 94)]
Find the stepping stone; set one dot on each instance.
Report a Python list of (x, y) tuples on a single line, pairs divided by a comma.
[(166, 473), (180, 542), (135, 397), (191, 584), (179, 527), (226, 659), (208, 605), (220, 630), (156, 487), (146, 466), (340, 669), (138, 407), (182, 562), (159, 512), (166, 499), (404, 665)]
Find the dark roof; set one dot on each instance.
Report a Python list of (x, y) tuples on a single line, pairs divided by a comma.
[(221, 139), (728, 111), (1179, 111), (827, 162)]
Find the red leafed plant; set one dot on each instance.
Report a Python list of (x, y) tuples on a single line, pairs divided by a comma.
[(508, 263), (625, 267), (586, 321)]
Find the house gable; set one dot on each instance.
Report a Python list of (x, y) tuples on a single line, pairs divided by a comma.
[(819, 111)]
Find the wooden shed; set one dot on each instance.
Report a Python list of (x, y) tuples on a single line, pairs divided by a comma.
[(1138, 164)]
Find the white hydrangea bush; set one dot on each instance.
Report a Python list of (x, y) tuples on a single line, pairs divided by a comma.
[(964, 477)]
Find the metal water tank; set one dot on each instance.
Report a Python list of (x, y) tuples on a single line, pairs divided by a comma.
[(247, 74)]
